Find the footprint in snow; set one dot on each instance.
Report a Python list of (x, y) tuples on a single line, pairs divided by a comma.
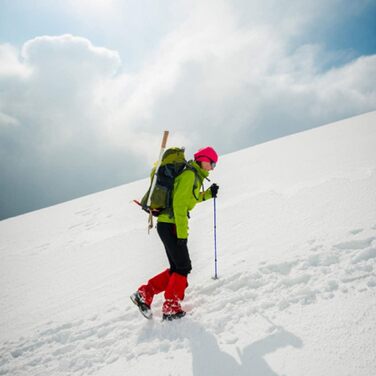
[(355, 244), (82, 346), (328, 272)]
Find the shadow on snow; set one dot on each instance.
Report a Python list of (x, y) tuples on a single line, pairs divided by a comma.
[(209, 359)]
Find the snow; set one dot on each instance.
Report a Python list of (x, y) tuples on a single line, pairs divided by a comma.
[(296, 235)]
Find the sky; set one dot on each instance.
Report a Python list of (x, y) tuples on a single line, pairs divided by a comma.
[(88, 86)]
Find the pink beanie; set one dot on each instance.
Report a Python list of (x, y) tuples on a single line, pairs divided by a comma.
[(207, 154)]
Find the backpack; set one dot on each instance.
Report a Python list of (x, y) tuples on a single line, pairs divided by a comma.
[(173, 163)]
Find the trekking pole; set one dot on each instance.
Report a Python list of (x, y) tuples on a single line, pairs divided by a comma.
[(154, 181), (215, 239)]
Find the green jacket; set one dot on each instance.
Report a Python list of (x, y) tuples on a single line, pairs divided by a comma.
[(185, 198)]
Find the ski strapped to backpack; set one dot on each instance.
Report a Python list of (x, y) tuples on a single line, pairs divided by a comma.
[(153, 181)]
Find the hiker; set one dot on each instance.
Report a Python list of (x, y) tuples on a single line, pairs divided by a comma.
[(172, 228)]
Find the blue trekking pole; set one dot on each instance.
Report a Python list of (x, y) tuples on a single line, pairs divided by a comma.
[(215, 239)]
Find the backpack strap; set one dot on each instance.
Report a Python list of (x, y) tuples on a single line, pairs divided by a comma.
[(188, 166), (197, 179)]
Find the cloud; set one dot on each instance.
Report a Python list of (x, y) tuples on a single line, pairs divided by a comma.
[(51, 147), (73, 120), (70, 54), (62, 73), (217, 79), (10, 65)]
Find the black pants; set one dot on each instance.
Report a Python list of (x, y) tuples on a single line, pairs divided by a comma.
[(178, 257)]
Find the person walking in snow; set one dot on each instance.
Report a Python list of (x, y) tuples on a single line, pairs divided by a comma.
[(173, 231)]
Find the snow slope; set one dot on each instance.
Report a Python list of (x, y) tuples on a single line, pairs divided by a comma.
[(296, 251)]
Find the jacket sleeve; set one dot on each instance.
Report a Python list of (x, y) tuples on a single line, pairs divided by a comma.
[(205, 195), (182, 196)]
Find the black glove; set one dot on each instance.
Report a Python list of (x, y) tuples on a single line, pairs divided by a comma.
[(214, 190), (182, 243)]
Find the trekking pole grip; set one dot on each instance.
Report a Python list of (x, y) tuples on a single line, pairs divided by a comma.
[(164, 139)]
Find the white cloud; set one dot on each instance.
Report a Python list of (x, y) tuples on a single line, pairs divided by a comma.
[(215, 80), (10, 65), (69, 58), (57, 142)]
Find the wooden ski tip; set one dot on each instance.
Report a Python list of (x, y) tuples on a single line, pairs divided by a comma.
[(164, 140)]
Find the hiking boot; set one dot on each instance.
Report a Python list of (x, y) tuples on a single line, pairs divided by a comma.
[(173, 316), (142, 306)]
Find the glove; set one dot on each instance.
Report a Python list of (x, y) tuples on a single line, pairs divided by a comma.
[(214, 190), (182, 243)]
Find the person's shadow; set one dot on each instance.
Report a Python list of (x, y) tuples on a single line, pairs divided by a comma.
[(253, 355), (209, 359)]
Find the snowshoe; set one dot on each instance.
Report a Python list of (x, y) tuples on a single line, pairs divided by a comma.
[(142, 306)]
